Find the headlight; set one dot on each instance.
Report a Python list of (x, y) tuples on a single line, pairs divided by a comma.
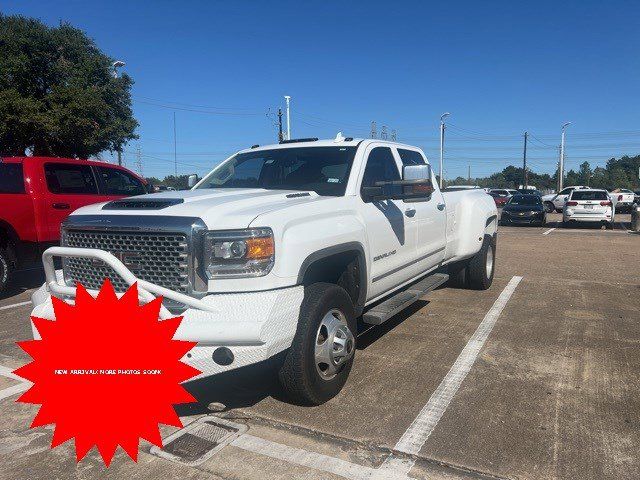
[(239, 253)]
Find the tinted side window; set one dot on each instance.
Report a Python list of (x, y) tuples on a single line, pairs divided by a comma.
[(411, 157), (118, 182), (11, 179), (381, 167), (67, 178)]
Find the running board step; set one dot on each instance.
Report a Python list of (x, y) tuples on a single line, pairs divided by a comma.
[(402, 299)]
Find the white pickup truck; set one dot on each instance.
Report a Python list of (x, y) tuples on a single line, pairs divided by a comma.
[(284, 249), (623, 199)]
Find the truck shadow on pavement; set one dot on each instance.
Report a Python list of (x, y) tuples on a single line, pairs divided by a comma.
[(246, 386)]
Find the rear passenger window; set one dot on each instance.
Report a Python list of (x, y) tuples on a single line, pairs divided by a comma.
[(119, 182), (411, 157), (67, 178), (11, 179)]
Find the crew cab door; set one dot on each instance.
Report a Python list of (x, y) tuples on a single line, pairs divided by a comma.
[(390, 232), (430, 219), (70, 185)]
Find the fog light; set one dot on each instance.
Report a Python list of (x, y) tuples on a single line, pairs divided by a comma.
[(223, 356)]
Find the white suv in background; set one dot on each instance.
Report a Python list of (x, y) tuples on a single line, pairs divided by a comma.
[(589, 205), (554, 202)]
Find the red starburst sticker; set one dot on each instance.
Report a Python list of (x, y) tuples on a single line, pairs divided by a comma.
[(106, 372)]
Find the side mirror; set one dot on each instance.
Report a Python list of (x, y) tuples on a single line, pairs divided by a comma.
[(416, 185), (192, 180), (417, 182)]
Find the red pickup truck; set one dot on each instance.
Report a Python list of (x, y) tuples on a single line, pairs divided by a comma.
[(38, 193)]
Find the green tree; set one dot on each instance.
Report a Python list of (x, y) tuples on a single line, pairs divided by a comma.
[(57, 92)]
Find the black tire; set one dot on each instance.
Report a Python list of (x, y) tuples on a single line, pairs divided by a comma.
[(482, 265), (299, 376), (458, 274), (7, 265), (549, 207)]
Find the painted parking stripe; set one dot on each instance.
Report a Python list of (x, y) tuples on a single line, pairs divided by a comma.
[(7, 307), (8, 372), (313, 460), (548, 231), (14, 390), (419, 431)]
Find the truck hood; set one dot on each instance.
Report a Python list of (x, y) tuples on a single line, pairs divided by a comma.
[(218, 208)]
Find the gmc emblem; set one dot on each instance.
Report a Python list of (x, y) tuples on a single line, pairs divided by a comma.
[(129, 259)]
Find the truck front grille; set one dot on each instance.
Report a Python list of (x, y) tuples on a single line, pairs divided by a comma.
[(160, 258)]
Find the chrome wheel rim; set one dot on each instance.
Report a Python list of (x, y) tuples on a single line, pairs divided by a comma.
[(489, 262), (334, 344)]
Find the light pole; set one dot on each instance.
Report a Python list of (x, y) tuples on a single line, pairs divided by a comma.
[(442, 127), (116, 65), (564, 126), (288, 99)]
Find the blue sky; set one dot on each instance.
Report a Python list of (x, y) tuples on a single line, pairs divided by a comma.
[(500, 68)]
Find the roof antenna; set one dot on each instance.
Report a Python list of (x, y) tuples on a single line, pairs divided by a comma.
[(339, 138)]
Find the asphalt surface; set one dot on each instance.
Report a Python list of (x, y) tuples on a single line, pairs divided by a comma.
[(554, 391)]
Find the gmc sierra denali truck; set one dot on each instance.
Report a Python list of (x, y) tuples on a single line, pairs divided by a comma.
[(284, 248)]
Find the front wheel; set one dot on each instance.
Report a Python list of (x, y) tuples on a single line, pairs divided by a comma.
[(482, 266), (318, 363), (7, 262), (549, 207)]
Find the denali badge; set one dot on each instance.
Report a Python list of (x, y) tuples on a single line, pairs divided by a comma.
[(384, 255)]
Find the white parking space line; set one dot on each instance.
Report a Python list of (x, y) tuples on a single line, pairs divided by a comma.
[(419, 431), (313, 460), (548, 231), (14, 389), (8, 372), (6, 307)]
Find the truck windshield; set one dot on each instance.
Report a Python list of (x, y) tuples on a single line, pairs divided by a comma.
[(324, 170)]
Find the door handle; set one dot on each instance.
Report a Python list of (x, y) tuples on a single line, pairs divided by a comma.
[(61, 206), (410, 212), (441, 206)]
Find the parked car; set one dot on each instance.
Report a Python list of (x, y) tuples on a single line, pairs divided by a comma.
[(530, 191), (306, 236), (500, 200), (38, 193), (623, 199), (503, 192), (554, 202), (636, 198), (524, 210), (592, 205)]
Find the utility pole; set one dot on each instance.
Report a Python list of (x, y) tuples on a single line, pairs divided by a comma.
[(374, 133), (559, 167), (288, 99), (469, 175), (393, 135), (280, 137), (139, 161), (120, 155), (524, 162), (564, 126), (442, 128), (175, 146)]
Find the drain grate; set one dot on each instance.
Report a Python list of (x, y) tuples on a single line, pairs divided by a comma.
[(199, 440)]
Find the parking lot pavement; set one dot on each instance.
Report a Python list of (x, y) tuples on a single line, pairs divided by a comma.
[(553, 393)]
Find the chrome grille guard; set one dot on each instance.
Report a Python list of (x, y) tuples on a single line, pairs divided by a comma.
[(147, 291)]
